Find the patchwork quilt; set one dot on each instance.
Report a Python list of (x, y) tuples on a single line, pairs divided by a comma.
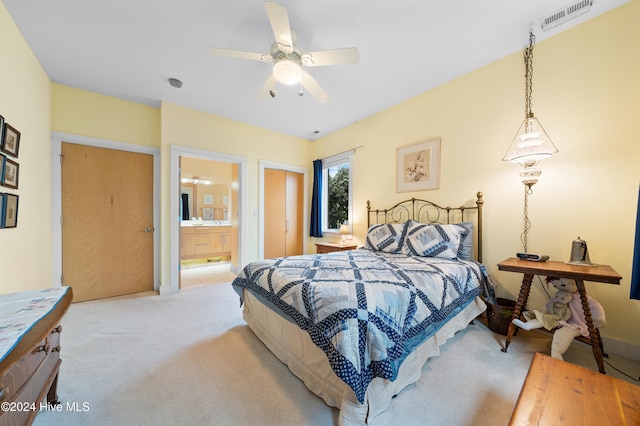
[(367, 310)]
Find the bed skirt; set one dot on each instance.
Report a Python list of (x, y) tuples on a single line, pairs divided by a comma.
[(309, 363)]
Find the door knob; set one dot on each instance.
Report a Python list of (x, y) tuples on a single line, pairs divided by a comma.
[(148, 229)]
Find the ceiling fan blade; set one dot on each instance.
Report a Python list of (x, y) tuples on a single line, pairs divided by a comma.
[(279, 19), (314, 88), (267, 87), (230, 53), (348, 55)]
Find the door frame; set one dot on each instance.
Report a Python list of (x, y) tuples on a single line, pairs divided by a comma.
[(174, 205), (264, 164), (57, 138)]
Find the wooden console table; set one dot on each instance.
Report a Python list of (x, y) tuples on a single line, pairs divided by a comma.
[(578, 273), (556, 392)]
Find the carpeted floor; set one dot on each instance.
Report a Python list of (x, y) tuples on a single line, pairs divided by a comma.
[(189, 359)]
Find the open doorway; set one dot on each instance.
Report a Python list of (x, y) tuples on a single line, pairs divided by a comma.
[(208, 221), (207, 232)]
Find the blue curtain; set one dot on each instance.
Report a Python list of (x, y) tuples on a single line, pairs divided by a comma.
[(635, 272), (316, 201)]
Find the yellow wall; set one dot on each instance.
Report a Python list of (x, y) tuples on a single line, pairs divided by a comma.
[(85, 113), (586, 93), (25, 103)]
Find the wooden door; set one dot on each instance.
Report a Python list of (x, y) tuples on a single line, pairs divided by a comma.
[(283, 220), (107, 221), (293, 219), (274, 213)]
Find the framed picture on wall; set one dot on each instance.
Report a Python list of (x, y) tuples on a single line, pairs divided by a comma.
[(418, 166), (9, 210), (207, 213), (10, 140), (10, 173), (208, 199), (1, 132)]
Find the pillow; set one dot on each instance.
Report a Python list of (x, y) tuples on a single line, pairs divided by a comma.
[(467, 241), (433, 240), (386, 237)]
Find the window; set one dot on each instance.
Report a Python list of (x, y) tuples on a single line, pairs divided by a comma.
[(336, 192)]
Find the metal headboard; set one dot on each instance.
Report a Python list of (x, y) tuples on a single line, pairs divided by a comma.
[(429, 212)]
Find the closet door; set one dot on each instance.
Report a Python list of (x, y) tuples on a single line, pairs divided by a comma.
[(274, 213), (283, 221), (293, 219)]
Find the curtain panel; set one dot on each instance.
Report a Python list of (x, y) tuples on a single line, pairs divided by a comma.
[(316, 201), (635, 270)]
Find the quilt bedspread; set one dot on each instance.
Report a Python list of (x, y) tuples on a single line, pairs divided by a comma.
[(365, 309)]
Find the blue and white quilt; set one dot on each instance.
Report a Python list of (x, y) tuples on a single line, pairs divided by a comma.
[(367, 310)]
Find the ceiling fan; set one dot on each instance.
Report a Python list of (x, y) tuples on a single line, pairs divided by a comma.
[(289, 61)]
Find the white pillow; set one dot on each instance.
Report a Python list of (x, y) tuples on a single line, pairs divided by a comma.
[(387, 237)]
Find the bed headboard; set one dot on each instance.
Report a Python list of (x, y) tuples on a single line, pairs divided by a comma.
[(429, 212)]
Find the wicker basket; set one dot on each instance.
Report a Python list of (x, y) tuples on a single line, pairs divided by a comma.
[(499, 315)]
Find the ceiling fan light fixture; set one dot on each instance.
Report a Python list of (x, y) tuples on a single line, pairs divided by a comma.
[(287, 72)]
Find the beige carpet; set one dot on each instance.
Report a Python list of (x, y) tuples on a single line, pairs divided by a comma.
[(189, 359)]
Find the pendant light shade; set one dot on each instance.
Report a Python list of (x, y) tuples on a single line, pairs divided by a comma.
[(530, 145)]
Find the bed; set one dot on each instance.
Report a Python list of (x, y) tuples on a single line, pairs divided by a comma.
[(357, 326)]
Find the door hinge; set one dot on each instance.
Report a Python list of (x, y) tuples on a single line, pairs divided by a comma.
[(61, 221), (61, 279)]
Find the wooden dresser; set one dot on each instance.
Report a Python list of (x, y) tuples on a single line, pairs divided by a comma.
[(29, 373), (556, 392)]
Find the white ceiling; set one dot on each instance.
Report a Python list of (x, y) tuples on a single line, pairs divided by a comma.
[(130, 48)]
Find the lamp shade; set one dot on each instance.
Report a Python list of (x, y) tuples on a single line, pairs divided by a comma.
[(344, 229), (287, 71), (531, 144)]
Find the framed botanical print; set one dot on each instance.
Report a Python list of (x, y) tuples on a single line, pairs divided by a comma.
[(9, 212), (418, 166), (10, 140), (9, 176)]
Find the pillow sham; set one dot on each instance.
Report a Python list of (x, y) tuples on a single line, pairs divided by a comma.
[(386, 237), (434, 240), (467, 241)]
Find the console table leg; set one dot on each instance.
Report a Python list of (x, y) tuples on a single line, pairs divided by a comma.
[(525, 288), (594, 335)]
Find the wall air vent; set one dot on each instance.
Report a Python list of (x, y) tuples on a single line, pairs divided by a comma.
[(568, 12)]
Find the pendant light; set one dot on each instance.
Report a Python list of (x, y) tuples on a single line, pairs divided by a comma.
[(531, 143)]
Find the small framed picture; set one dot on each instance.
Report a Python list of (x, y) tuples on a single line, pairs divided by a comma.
[(9, 212), (9, 176), (208, 199), (207, 213), (1, 132), (10, 140), (418, 167)]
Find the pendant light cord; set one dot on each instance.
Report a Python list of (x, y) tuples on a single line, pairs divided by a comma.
[(528, 74), (527, 222)]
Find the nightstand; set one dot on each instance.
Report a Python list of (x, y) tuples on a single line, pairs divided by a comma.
[(331, 247), (578, 273)]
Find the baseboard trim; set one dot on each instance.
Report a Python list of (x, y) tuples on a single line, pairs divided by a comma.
[(620, 348)]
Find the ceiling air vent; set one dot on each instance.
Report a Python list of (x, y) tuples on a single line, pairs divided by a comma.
[(568, 12)]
